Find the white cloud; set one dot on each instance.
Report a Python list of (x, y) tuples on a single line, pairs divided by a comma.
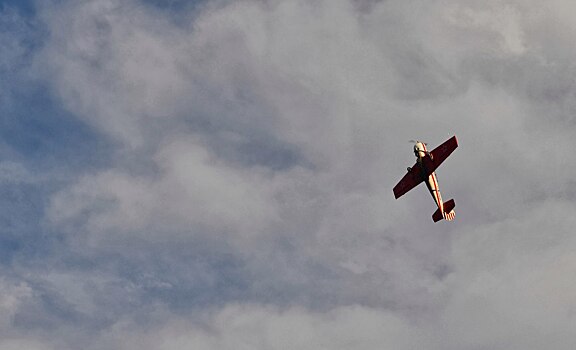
[(194, 192), (192, 205)]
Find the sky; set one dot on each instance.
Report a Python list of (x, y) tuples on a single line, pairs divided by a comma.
[(218, 174)]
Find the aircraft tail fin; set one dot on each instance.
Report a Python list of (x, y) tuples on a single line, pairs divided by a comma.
[(448, 214)]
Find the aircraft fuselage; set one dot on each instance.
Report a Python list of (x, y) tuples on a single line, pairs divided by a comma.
[(421, 153)]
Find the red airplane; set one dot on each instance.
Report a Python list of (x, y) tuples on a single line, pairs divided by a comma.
[(423, 170)]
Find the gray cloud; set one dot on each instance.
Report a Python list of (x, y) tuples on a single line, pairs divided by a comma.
[(252, 150)]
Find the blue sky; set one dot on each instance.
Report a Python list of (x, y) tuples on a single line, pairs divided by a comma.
[(218, 175), (25, 7)]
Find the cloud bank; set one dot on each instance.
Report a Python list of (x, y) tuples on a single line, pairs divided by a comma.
[(218, 174)]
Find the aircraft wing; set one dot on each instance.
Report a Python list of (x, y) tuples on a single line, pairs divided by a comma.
[(440, 153), (412, 179)]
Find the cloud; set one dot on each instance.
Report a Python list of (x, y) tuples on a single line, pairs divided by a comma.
[(242, 194), (256, 327)]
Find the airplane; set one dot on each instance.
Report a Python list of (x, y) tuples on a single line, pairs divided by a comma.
[(424, 170)]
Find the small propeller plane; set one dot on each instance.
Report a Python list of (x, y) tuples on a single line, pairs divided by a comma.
[(424, 170)]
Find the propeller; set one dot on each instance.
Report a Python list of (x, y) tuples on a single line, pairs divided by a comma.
[(413, 141)]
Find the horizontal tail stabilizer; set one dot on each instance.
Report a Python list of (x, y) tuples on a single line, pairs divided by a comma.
[(448, 212)]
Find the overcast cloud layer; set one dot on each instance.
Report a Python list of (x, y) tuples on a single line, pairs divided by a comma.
[(218, 174)]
